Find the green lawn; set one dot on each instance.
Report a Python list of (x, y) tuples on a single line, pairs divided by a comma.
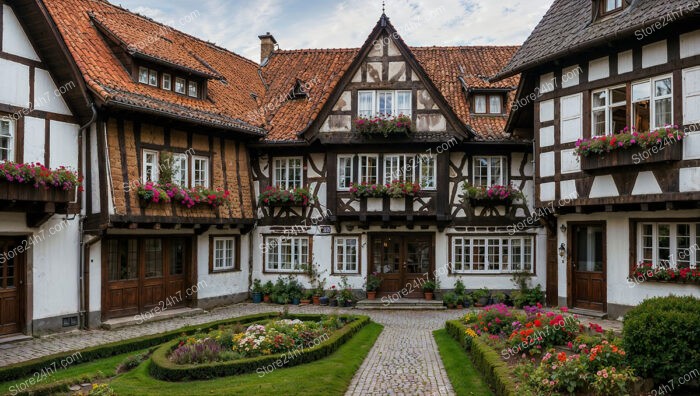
[(328, 376), (463, 376)]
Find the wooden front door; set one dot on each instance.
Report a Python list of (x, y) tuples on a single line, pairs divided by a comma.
[(403, 261), (143, 274), (587, 266), (11, 286)]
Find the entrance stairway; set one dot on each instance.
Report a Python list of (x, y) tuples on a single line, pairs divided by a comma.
[(409, 304)]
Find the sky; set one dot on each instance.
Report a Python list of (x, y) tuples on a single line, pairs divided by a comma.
[(295, 24)]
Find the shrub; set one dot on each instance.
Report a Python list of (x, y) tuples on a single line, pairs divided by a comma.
[(131, 363), (529, 296), (660, 337)]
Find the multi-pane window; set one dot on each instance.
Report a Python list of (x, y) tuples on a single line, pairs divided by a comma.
[(369, 169), (488, 104), (143, 75), (612, 5), (200, 172), (153, 78), (167, 82), (180, 85), (669, 245), (346, 255), (192, 89), (286, 254), (345, 172), (491, 255), (398, 167), (122, 257), (154, 257), (288, 173), (180, 170), (427, 172), (7, 143), (150, 166), (652, 103), (609, 110), (224, 254), (490, 171), (384, 103), (148, 76)]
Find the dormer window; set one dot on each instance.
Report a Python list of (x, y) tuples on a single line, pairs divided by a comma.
[(180, 85), (192, 89), (167, 82), (612, 6), (488, 104)]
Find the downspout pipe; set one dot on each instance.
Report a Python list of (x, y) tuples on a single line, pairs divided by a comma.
[(82, 314)]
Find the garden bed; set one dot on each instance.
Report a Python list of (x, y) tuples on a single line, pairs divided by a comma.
[(164, 364)]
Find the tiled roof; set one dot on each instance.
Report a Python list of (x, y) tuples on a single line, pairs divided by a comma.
[(567, 27), (229, 98), (323, 69)]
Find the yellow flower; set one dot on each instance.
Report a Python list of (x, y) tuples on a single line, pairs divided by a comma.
[(471, 333)]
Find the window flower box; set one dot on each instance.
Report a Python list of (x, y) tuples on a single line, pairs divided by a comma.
[(276, 197), (630, 147), (643, 272), (495, 195), (35, 182), (154, 193), (395, 189), (384, 125)]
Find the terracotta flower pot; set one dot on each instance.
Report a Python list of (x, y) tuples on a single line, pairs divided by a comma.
[(428, 296), (305, 302), (371, 295), (266, 298), (317, 300)]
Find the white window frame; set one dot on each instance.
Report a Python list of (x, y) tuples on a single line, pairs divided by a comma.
[(688, 95), (147, 75), (607, 109), (183, 166), (10, 149), (395, 110), (429, 162), (342, 159), (284, 181), (342, 259), (167, 83), (193, 89), (462, 260), (299, 247), (154, 166), (489, 171), (224, 254), (693, 254), (363, 177), (202, 181), (184, 85), (152, 77), (409, 173)]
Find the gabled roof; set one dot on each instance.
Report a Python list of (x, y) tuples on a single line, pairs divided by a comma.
[(568, 28), (229, 96), (332, 68)]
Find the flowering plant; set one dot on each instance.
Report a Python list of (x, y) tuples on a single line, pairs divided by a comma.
[(495, 193), (373, 282), (497, 319), (40, 176), (155, 193), (276, 196), (646, 271), (628, 138), (365, 190), (401, 189), (395, 189), (384, 124)]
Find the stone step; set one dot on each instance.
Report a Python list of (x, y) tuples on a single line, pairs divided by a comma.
[(589, 313), (133, 320), (401, 304)]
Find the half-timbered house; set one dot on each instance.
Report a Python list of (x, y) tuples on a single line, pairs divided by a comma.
[(318, 139), (612, 71)]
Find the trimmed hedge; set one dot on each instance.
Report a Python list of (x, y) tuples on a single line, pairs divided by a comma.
[(661, 336), (28, 368), (162, 368), (489, 363)]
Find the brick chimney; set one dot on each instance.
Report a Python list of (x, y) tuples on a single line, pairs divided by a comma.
[(267, 46)]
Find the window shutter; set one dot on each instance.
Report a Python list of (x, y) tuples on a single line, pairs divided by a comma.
[(691, 96)]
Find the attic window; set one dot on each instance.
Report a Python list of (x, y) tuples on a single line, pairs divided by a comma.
[(488, 104), (300, 91), (607, 7)]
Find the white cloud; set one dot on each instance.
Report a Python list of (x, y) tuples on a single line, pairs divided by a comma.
[(347, 23)]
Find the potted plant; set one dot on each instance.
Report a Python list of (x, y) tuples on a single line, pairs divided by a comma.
[(429, 289), (257, 291), (498, 297), (267, 291), (306, 298), (449, 299), (323, 300), (317, 296), (373, 283), (347, 297), (480, 297), (332, 296)]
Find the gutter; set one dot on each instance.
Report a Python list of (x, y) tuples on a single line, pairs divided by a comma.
[(82, 292)]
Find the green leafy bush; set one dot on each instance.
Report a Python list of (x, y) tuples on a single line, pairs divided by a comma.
[(661, 336)]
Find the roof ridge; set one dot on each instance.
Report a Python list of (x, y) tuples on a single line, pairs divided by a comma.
[(172, 28)]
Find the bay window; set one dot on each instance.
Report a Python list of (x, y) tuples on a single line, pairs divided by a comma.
[(288, 173), (346, 255), (491, 255), (490, 171), (7, 143), (345, 172), (669, 244), (286, 254), (384, 103)]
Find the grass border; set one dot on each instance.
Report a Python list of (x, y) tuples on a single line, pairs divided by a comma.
[(28, 368), (496, 372), (160, 367)]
